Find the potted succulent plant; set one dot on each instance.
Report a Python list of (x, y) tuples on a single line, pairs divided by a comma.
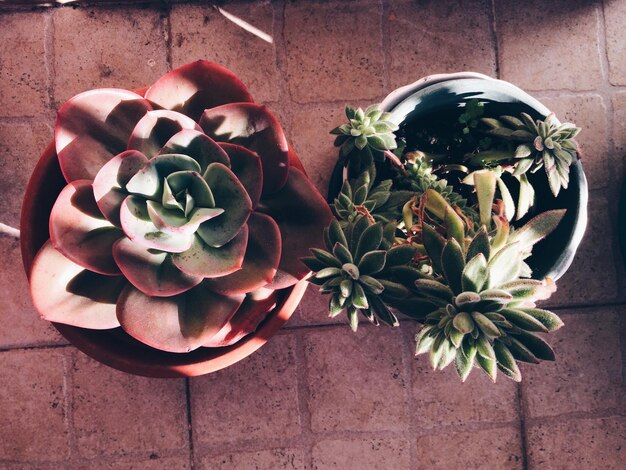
[(441, 197), (162, 229)]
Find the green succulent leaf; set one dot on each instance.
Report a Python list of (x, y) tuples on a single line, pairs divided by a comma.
[(382, 312), (342, 254), (432, 288), (505, 266), (335, 307), (372, 262), (488, 365), (394, 289), (369, 241), (485, 183), (521, 352), (538, 228), (486, 326), (506, 362), (523, 320), (371, 284), (549, 320), (359, 298), (464, 360), (434, 243), (453, 263), (326, 258), (479, 244), (400, 255), (423, 340), (475, 274), (536, 345), (463, 322)]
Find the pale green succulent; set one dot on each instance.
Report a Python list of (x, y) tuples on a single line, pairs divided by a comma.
[(355, 269), (367, 135), (478, 305), (537, 143)]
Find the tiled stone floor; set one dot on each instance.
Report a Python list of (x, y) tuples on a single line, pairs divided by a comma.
[(318, 396)]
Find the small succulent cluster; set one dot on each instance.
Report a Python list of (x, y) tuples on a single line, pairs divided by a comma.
[(420, 177), (367, 137), (537, 143), (482, 302), (360, 197), (177, 220), (355, 268)]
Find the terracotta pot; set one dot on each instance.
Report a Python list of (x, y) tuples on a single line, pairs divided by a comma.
[(114, 347), (552, 256)]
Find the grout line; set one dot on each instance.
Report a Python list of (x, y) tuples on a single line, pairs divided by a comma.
[(285, 102), (49, 55), (69, 359), (522, 425), (494, 34), (306, 433), (35, 347), (407, 365), (603, 51), (189, 423), (166, 24), (385, 43), (621, 321), (575, 415), (618, 303)]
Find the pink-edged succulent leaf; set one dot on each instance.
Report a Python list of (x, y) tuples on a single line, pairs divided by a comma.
[(247, 166), (177, 324), (65, 292), (156, 128), (198, 146), (204, 260), (260, 262), (246, 321), (254, 127), (194, 87), (174, 221), (109, 187), (301, 214), (93, 127), (148, 182), (231, 196), (150, 271), (79, 230), (138, 226)]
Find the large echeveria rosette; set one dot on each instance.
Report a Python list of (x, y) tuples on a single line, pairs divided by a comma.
[(184, 212)]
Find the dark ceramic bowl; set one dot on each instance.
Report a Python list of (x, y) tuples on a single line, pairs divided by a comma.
[(553, 255)]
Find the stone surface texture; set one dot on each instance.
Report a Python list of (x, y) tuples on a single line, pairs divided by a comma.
[(318, 396)]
